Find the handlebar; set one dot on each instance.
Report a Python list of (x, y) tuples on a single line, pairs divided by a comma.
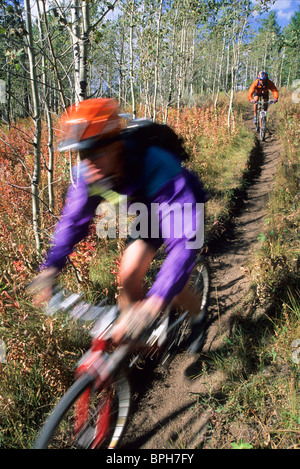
[(102, 317), (262, 102)]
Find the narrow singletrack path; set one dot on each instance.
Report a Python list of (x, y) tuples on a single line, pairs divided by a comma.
[(166, 415)]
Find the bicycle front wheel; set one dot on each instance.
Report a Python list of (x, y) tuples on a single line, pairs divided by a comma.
[(257, 126), (87, 418), (263, 129)]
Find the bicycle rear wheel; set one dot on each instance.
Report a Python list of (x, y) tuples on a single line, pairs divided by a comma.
[(87, 418), (200, 281)]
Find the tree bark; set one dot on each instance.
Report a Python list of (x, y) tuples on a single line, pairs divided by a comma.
[(50, 165), (131, 27), (37, 127), (156, 61)]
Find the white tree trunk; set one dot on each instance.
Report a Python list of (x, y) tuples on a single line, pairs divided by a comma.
[(37, 126), (156, 61), (50, 164), (131, 60), (76, 48)]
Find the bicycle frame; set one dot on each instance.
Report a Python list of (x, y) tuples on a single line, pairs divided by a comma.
[(151, 341), (104, 317)]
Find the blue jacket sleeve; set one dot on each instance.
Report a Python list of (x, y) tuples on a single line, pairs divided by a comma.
[(73, 225)]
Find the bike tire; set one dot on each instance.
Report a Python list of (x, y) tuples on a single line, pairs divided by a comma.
[(200, 279), (262, 131), (108, 409)]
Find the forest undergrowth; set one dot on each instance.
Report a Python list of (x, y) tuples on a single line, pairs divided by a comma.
[(260, 396), (41, 351)]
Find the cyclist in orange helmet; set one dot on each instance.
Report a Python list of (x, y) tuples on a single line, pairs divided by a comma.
[(261, 87), (148, 171)]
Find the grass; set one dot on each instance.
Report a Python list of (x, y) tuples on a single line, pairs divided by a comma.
[(41, 353), (277, 262), (260, 392)]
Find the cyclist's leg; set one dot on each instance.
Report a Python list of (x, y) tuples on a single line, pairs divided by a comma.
[(266, 99), (133, 267), (188, 300), (135, 262), (136, 310)]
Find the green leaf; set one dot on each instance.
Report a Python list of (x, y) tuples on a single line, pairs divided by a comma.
[(241, 445)]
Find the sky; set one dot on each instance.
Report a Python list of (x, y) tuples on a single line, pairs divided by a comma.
[(284, 10)]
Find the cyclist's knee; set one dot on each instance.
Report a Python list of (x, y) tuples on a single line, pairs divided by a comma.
[(135, 261)]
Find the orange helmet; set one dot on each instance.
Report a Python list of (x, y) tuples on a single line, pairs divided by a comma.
[(89, 124)]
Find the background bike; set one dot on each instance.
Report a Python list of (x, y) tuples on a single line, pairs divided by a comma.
[(93, 412), (261, 119)]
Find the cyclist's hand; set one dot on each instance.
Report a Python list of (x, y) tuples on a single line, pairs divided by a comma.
[(135, 318), (275, 101), (252, 101), (41, 286)]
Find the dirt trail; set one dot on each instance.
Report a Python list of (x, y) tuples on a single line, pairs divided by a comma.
[(165, 410)]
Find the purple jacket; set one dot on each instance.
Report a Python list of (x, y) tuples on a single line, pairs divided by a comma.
[(173, 198)]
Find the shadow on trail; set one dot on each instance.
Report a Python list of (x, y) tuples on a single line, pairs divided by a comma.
[(216, 237), (143, 439)]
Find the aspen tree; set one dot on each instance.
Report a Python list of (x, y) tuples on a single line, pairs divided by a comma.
[(37, 126)]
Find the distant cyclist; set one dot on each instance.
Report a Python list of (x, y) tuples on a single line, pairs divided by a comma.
[(261, 87), (143, 162)]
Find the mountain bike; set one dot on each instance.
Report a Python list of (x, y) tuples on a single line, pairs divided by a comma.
[(261, 119), (93, 412)]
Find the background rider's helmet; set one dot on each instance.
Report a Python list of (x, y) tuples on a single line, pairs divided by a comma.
[(262, 77), (90, 124)]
